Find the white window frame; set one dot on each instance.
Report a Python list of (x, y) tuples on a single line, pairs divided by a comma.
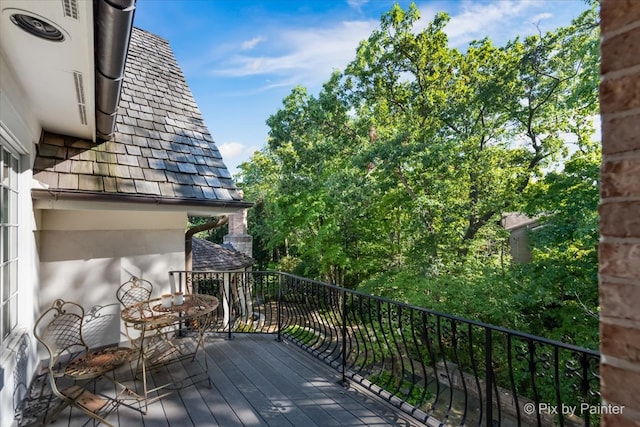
[(9, 212)]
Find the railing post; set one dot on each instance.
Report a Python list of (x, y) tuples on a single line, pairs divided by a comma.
[(279, 307), (226, 279), (345, 383), (488, 345), (584, 362)]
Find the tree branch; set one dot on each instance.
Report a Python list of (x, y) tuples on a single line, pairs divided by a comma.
[(206, 226)]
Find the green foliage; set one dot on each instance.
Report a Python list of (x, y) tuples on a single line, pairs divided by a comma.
[(561, 281), (395, 176), (485, 295), (288, 264), (303, 335), (213, 235), (407, 391)]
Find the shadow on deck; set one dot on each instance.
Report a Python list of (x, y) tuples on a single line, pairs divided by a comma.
[(257, 381)]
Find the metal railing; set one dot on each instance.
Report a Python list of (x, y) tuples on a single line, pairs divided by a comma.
[(438, 367)]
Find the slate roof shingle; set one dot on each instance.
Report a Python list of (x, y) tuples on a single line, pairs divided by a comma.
[(207, 255), (161, 147)]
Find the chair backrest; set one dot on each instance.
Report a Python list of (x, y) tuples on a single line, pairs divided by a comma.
[(134, 290), (59, 329)]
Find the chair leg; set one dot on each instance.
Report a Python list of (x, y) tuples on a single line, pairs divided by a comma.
[(126, 390), (64, 402), (50, 418), (80, 398), (94, 404)]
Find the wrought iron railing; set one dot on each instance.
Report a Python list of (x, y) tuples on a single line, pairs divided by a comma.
[(435, 366)]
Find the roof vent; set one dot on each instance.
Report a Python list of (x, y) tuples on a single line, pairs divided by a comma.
[(70, 8), (38, 27), (82, 108)]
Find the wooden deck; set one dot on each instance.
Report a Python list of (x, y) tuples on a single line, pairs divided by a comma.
[(257, 381)]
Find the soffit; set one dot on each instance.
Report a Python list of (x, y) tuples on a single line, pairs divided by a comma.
[(56, 76)]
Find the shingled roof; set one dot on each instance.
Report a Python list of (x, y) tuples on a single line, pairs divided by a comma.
[(211, 256), (161, 152)]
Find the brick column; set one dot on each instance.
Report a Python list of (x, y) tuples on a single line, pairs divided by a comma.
[(238, 236), (619, 250)]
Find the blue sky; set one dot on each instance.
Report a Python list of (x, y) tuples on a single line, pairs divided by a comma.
[(242, 57)]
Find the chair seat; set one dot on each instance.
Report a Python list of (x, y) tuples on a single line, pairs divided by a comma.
[(97, 363), (89, 401)]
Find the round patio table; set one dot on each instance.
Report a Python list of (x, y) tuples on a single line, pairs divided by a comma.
[(153, 320)]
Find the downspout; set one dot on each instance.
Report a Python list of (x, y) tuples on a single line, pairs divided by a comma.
[(188, 246), (113, 25)]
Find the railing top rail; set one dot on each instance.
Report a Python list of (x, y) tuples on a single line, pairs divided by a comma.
[(513, 332), (171, 272)]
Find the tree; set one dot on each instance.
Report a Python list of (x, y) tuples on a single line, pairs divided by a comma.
[(463, 133), (559, 288), (408, 159)]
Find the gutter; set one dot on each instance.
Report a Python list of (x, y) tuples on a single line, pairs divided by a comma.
[(113, 23), (85, 196)]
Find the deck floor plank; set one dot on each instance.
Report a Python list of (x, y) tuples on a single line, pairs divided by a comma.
[(286, 392), (256, 382), (247, 382)]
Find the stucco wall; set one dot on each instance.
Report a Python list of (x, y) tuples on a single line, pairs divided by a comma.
[(20, 132), (86, 255)]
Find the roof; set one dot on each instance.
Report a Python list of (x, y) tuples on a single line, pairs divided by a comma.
[(161, 150), (514, 220), (207, 255)]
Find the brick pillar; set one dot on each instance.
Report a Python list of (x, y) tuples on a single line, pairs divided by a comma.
[(238, 236), (619, 250)]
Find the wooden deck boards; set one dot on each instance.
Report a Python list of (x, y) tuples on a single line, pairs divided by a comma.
[(257, 381)]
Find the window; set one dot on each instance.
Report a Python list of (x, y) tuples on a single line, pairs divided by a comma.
[(9, 167)]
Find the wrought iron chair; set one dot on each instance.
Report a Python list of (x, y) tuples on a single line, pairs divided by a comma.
[(73, 368), (134, 290), (157, 339)]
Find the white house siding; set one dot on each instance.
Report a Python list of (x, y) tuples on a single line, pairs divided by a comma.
[(86, 255), (19, 132)]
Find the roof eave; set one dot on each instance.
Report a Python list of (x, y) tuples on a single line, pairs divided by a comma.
[(73, 199)]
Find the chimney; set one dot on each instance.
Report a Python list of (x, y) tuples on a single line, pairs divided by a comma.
[(238, 237)]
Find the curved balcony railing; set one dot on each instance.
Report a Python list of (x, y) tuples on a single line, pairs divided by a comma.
[(435, 366)]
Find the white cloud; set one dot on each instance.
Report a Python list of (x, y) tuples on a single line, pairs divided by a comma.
[(308, 56), (478, 19), (499, 21), (250, 44), (234, 153), (357, 4), (541, 17), (231, 150)]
